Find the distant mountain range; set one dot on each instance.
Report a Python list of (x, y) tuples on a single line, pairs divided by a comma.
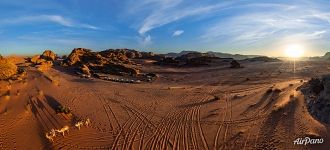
[(216, 54), (326, 56)]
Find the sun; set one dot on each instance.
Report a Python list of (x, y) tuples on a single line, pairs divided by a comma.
[(294, 50)]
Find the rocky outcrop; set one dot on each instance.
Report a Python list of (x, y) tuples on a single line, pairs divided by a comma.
[(44, 66), (48, 55), (7, 69), (168, 61), (122, 54), (85, 70), (235, 64), (44, 61), (83, 55), (109, 61), (317, 97), (36, 59), (189, 59), (152, 56), (264, 59)]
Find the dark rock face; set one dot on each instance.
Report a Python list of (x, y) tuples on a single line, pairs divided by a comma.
[(235, 64), (189, 59), (152, 56), (263, 58), (316, 85), (317, 97), (168, 61)]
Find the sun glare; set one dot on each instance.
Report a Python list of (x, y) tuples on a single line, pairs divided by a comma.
[(294, 51)]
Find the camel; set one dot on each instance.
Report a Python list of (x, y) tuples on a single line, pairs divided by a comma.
[(87, 122), (79, 124), (50, 136), (65, 128)]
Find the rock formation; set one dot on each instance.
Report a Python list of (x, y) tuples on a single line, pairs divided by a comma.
[(263, 58), (109, 61), (45, 61), (7, 69), (82, 55), (317, 97), (85, 70), (189, 59), (235, 64), (48, 55)]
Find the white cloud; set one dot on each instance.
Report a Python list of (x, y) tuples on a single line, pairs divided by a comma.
[(57, 19), (145, 40), (54, 18), (270, 24), (177, 33), (162, 14)]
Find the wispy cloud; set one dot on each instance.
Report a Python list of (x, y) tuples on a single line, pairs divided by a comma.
[(57, 19), (270, 24), (162, 14), (177, 33), (145, 40)]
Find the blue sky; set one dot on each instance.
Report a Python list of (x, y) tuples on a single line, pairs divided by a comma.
[(246, 27)]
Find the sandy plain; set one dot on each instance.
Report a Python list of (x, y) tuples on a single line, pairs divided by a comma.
[(212, 107)]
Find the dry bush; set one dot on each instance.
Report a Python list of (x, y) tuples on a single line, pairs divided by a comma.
[(7, 69)]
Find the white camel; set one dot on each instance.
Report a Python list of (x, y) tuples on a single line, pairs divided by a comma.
[(79, 124), (87, 122), (50, 136), (65, 128)]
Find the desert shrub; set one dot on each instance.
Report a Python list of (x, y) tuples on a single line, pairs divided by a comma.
[(7, 69)]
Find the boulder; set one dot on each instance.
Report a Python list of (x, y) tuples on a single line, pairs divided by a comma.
[(48, 55), (44, 66), (35, 59), (7, 69), (317, 97), (235, 64), (85, 70)]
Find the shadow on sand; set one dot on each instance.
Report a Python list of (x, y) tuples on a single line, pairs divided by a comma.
[(284, 116)]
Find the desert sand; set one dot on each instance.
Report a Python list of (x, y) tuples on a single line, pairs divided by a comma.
[(209, 107)]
